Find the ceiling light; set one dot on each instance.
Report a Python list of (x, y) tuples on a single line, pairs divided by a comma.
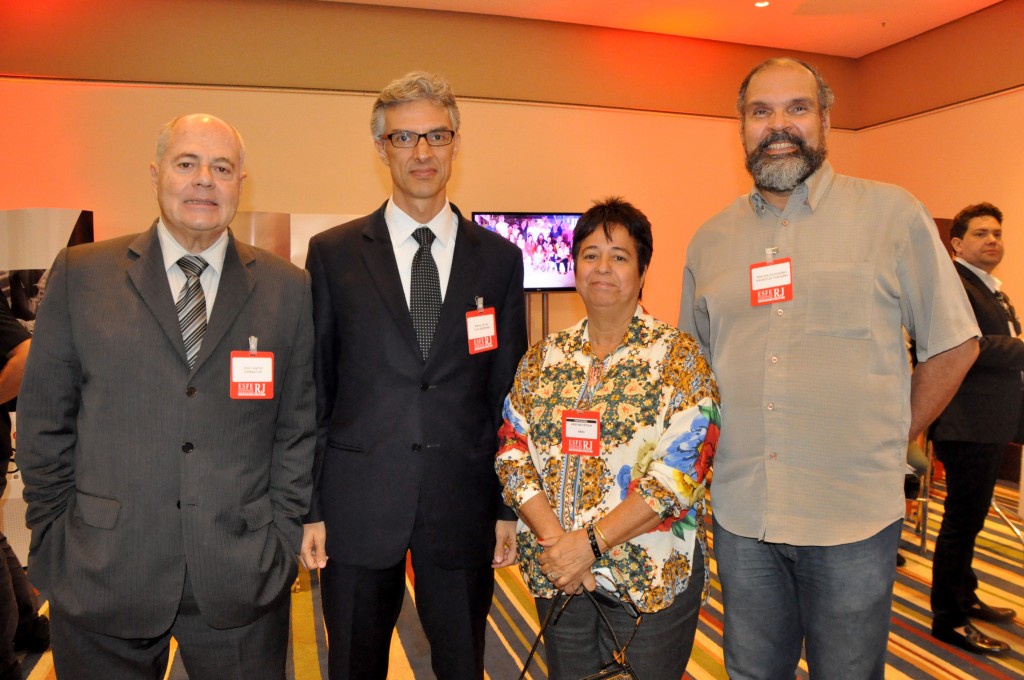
[(763, 3)]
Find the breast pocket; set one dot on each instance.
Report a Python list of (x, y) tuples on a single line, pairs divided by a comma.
[(840, 299)]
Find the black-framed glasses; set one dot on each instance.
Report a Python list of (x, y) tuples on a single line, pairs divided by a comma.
[(406, 139)]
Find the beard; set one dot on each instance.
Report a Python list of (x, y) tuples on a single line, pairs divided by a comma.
[(783, 173)]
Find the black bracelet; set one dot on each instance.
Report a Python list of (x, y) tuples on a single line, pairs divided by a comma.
[(593, 541)]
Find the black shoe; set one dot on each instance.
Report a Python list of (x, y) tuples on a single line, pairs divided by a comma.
[(972, 639), (901, 561), (36, 638), (986, 613)]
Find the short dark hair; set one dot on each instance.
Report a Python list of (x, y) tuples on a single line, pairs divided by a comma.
[(959, 226), (826, 98), (605, 215)]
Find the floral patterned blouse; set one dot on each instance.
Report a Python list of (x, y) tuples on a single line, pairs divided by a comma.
[(658, 405)]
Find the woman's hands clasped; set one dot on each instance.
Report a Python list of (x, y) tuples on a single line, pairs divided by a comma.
[(566, 561)]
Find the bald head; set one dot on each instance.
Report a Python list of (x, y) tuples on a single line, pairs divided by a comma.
[(200, 118)]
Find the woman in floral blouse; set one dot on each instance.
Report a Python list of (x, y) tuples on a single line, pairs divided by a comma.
[(606, 451)]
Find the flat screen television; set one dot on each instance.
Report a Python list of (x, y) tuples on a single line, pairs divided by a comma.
[(546, 242)]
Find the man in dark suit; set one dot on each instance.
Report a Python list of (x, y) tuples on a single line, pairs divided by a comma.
[(166, 429), (410, 384), (972, 433)]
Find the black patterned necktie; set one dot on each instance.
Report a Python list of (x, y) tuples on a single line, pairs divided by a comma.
[(191, 306), (1011, 313), (424, 291)]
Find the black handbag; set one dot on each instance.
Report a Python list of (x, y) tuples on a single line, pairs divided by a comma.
[(616, 669)]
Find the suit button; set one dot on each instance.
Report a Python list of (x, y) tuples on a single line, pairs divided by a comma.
[(190, 391), (416, 447), (187, 447), (178, 505)]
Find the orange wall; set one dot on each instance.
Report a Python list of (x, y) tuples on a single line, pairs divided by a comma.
[(954, 157), (340, 47), (977, 55)]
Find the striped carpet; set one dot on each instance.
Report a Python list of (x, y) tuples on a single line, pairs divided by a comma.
[(913, 653)]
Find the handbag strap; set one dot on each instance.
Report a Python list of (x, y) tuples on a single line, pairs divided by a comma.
[(540, 633), (618, 654)]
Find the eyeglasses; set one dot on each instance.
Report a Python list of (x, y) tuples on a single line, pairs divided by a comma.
[(406, 139)]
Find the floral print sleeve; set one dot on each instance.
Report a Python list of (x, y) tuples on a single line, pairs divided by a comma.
[(675, 475), (516, 471)]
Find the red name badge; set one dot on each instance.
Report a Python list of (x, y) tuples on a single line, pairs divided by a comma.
[(482, 330), (252, 375), (581, 433), (771, 282)]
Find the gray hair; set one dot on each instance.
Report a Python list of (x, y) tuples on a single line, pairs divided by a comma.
[(826, 98), (412, 87), (165, 135)]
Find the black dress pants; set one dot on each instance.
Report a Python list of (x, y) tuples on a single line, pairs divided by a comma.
[(362, 605), (971, 473)]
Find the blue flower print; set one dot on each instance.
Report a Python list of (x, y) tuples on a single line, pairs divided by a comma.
[(623, 479), (682, 453), (510, 416)]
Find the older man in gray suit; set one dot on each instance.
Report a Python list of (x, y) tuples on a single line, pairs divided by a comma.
[(166, 429)]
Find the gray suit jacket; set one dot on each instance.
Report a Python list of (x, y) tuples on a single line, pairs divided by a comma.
[(136, 467)]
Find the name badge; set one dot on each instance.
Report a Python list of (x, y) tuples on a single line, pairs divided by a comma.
[(252, 375), (482, 330), (581, 433), (771, 282)]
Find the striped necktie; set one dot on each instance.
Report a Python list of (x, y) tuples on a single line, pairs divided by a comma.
[(191, 306), (424, 291)]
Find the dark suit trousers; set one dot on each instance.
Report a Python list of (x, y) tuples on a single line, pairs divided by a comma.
[(18, 606), (256, 651), (361, 608), (971, 473)]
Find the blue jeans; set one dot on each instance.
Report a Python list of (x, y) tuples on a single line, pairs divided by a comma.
[(836, 600), (579, 643)]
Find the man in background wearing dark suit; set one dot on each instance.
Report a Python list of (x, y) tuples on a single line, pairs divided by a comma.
[(972, 433), (166, 433), (20, 623), (420, 323)]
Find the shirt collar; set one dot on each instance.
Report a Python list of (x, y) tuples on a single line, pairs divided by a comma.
[(811, 191), (401, 226), (992, 282), (173, 251), (582, 340)]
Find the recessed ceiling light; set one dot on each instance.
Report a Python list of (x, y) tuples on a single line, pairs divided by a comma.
[(763, 3)]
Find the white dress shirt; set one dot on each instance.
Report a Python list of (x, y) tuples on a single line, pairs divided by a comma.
[(401, 227), (993, 284), (209, 279)]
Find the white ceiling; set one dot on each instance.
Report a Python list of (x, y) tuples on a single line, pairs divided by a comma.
[(847, 28)]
